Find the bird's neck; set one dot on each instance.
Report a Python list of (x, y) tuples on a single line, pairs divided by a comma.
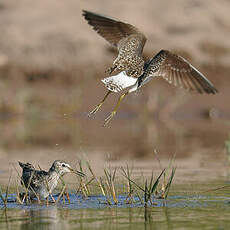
[(54, 173), (53, 179)]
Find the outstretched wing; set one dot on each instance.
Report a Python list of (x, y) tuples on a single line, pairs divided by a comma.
[(126, 38), (115, 32), (177, 71)]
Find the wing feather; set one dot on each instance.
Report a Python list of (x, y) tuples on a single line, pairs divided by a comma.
[(177, 71), (184, 84), (112, 30), (125, 37)]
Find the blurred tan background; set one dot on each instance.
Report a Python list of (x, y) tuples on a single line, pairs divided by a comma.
[(51, 63)]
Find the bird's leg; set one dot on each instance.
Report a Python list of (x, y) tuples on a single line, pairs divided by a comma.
[(52, 198), (67, 195), (100, 104), (113, 113)]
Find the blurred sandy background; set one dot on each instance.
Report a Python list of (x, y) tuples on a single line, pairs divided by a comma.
[(51, 63)]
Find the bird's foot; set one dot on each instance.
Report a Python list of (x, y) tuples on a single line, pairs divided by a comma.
[(108, 119), (93, 112)]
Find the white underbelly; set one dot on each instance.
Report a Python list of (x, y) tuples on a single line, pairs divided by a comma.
[(119, 82)]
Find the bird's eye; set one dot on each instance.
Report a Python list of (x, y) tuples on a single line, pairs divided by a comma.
[(63, 165)]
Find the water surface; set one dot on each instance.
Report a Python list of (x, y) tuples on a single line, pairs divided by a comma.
[(184, 209)]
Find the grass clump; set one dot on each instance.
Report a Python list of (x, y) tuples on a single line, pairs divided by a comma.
[(109, 187), (106, 185)]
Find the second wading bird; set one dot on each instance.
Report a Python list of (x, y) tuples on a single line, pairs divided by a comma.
[(41, 183), (131, 71)]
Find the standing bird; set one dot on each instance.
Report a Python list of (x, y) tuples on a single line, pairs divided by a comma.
[(41, 183), (131, 71)]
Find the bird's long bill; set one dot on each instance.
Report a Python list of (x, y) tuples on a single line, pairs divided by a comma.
[(77, 172)]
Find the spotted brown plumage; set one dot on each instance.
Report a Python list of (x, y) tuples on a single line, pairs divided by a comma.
[(133, 72), (126, 38)]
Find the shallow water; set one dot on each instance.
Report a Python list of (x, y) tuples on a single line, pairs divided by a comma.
[(151, 121), (184, 209)]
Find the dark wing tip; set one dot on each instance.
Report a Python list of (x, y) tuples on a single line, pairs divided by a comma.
[(213, 90), (205, 84), (87, 12), (84, 12), (89, 15)]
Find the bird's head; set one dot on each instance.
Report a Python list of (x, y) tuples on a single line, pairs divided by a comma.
[(61, 167)]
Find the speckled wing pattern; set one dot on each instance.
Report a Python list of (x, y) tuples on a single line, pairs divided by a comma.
[(31, 176), (126, 38), (177, 71)]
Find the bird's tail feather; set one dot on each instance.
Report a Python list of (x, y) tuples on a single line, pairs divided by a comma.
[(22, 165)]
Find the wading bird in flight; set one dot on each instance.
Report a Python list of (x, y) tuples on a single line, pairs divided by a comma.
[(129, 70)]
